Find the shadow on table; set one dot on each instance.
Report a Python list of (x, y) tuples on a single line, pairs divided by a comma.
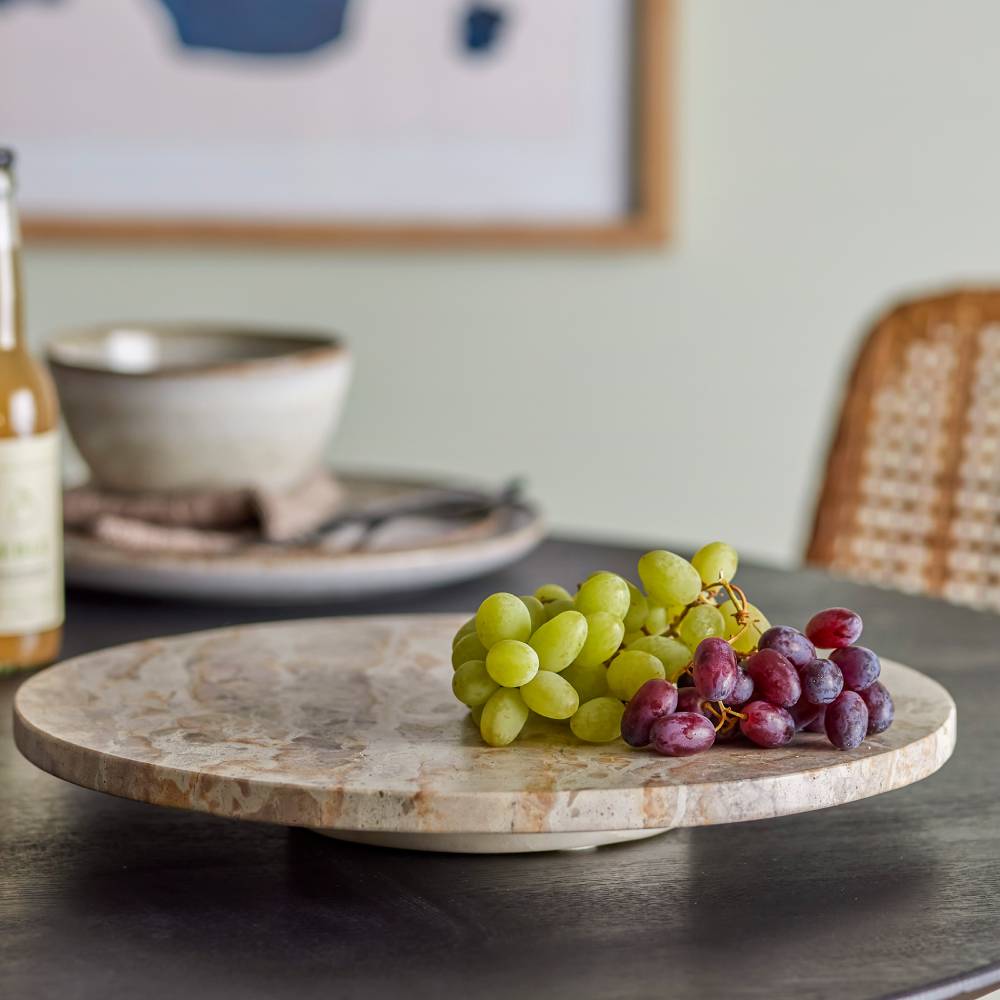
[(231, 907)]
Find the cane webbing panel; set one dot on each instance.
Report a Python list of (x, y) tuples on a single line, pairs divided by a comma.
[(912, 491)]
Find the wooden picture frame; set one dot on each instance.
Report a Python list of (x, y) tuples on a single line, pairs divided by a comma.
[(646, 223)]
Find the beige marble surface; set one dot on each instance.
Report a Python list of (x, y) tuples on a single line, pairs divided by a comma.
[(350, 724)]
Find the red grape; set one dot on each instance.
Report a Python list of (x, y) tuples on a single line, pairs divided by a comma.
[(859, 665), (774, 678), (790, 642), (822, 681), (846, 720), (688, 700), (681, 734), (714, 669), (767, 725), (743, 691), (818, 725), (804, 713), (726, 734), (654, 699), (834, 628), (881, 710)]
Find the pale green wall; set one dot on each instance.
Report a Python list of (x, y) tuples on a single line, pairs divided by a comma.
[(830, 156)]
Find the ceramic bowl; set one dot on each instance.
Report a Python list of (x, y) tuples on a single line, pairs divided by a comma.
[(199, 406)]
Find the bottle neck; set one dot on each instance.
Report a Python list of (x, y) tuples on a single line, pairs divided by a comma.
[(11, 317)]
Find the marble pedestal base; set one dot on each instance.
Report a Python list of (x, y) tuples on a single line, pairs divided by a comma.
[(491, 843)]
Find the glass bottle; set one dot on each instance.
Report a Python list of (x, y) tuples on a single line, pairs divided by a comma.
[(31, 574)]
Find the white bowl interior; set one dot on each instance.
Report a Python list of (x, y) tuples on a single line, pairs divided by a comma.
[(136, 349)]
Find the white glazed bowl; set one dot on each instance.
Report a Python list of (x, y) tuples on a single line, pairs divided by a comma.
[(154, 406)]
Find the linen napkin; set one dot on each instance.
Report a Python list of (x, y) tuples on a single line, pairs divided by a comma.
[(206, 521)]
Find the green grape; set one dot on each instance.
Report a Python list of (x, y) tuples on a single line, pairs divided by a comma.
[(559, 641), (504, 716), (630, 637), (715, 561), (472, 684), (668, 578), (552, 592), (536, 610), (670, 617), (589, 682), (549, 695), (502, 616), (671, 652), (603, 592), (554, 608), (469, 628), (604, 635), (467, 648), (699, 623), (629, 670), (658, 619), (638, 609), (747, 642), (598, 720), (511, 663), (477, 713)]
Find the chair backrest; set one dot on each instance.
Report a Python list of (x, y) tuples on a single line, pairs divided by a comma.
[(911, 497)]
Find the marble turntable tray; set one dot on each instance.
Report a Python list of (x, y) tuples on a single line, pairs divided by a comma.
[(347, 726)]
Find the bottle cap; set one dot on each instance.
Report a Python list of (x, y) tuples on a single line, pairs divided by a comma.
[(6, 158)]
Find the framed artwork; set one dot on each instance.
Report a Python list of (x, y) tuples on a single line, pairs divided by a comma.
[(443, 122)]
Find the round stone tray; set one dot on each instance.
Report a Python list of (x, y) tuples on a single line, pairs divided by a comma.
[(348, 726)]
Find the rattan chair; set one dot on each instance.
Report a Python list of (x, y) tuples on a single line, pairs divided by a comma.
[(911, 497)]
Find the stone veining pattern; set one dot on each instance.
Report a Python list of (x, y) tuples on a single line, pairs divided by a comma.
[(350, 724)]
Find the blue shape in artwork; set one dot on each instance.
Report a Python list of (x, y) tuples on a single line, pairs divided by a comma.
[(258, 27), (483, 28)]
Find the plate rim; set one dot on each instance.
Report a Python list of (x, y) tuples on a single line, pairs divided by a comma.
[(524, 519), (303, 576)]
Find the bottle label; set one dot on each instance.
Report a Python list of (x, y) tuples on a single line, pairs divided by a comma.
[(31, 578)]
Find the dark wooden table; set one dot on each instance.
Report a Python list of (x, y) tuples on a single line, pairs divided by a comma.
[(898, 895)]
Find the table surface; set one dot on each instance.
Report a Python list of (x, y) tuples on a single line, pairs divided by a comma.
[(891, 896)]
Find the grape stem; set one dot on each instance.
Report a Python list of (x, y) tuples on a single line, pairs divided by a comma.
[(671, 629), (676, 623), (735, 594), (705, 597), (727, 716), (741, 614)]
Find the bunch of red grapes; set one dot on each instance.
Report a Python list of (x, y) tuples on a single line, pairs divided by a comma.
[(782, 688)]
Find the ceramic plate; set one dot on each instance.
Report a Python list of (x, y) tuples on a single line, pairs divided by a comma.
[(348, 726), (290, 575)]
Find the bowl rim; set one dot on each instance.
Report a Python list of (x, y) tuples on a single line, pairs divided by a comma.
[(306, 347)]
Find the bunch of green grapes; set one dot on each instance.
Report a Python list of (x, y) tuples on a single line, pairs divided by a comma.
[(580, 657)]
